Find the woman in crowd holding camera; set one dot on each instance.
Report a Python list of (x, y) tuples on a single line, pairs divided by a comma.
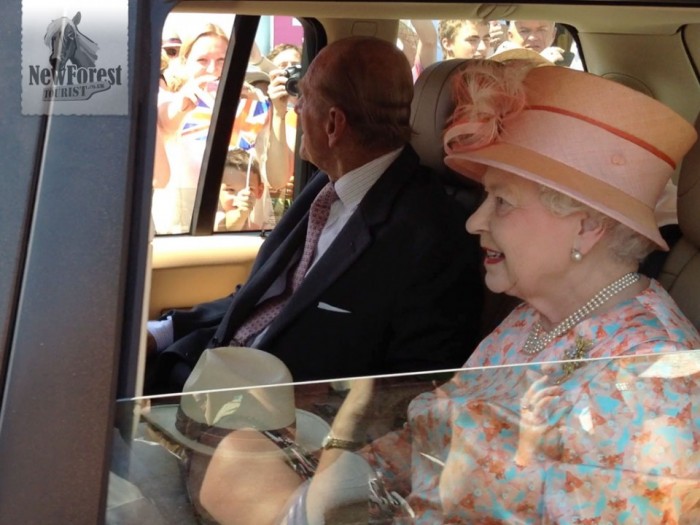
[(279, 152)]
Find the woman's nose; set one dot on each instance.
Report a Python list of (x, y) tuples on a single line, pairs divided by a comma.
[(476, 223)]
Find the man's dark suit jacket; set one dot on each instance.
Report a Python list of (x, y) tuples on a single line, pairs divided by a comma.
[(403, 271)]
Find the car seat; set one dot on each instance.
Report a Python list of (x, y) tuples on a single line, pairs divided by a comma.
[(680, 274), (430, 110)]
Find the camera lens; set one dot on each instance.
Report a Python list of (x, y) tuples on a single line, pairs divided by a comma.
[(292, 86), (293, 74)]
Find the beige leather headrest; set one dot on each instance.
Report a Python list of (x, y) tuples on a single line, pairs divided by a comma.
[(689, 194), (432, 106)]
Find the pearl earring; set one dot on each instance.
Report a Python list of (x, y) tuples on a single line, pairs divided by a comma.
[(576, 255)]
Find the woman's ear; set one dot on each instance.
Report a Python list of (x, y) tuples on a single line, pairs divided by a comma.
[(591, 230)]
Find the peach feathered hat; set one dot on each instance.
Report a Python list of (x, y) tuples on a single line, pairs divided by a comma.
[(597, 141)]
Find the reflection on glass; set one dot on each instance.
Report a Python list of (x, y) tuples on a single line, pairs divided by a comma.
[(585, 439)]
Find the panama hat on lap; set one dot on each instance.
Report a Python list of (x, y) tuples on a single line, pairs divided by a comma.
[(235, 388)]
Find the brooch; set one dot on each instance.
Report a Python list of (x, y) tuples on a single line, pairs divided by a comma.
[(575, 358)]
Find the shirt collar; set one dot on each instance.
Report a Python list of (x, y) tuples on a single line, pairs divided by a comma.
[(354, 185)]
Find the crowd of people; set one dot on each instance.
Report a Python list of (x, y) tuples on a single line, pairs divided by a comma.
[(265, 124), (461, 38), (264, 128)]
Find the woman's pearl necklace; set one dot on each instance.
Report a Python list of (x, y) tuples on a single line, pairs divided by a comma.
[(539, 339)]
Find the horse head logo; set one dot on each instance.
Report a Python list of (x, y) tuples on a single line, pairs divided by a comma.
[(68, 43)]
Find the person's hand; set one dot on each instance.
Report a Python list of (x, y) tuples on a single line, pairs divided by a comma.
[(497, 32), (249, 91), (350, 422), (554, 54), (244, 201), (536, 408), (195, 89), (238, 207), (277, 92)]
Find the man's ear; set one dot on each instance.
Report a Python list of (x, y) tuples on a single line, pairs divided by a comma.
[(591, 230), (336, 126), (445, 43)]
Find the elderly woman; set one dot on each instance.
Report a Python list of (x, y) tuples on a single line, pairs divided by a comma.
[(595, 424)]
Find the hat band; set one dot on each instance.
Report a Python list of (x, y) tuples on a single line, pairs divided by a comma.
[(591, 150), (626, 136)]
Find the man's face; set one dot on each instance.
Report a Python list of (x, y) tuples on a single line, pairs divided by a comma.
[(470, 41), (286, 58), (532, 34)]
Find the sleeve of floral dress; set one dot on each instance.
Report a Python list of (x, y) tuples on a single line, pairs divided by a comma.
[(630, 447)]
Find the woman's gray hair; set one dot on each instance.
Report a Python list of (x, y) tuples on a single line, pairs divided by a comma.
[(623, 243)]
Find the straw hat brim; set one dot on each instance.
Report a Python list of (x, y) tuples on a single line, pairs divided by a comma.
[(541, 169), (310, 428)]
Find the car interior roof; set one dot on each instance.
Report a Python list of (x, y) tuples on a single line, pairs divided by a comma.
[(590, 17)]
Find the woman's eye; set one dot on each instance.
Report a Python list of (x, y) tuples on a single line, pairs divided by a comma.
[(501, 203)]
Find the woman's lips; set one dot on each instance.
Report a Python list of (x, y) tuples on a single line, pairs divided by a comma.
[(492, 256)]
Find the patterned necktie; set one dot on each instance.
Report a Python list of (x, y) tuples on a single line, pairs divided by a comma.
[(266, 311)]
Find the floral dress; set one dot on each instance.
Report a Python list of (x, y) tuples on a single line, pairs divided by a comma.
[(622, 443)]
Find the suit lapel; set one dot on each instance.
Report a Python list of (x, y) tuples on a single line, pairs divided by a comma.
[(274, 256), (355, 237), (345, 249)]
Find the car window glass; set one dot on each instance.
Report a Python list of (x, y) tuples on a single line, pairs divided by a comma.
[(257, 180), (197, 456)]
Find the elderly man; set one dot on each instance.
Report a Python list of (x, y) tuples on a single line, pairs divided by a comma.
[(532, 34), (370, 271), (537, 35)]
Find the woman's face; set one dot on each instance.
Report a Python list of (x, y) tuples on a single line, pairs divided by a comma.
[(527, 248), (206, 57)]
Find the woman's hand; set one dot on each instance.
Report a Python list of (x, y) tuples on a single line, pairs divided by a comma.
[(536, 407), (197, 88), (277, 92)]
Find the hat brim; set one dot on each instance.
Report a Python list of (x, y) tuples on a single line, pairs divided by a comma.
[(521, 53), (310, 429), (541, 169), (256, 76)]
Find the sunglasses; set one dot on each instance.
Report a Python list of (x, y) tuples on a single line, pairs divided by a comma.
[(171, 51)]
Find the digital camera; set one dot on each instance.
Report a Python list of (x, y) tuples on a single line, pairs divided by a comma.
[(293, 74)]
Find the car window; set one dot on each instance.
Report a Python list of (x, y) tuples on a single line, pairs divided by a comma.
[(256, 185), (617, 431)]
